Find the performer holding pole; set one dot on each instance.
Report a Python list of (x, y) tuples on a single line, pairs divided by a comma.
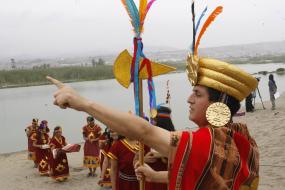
[(134, 69)]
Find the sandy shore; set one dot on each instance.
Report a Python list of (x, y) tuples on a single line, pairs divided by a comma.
[(267, 127)]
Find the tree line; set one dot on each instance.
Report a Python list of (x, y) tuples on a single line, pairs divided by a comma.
[(36, 76)]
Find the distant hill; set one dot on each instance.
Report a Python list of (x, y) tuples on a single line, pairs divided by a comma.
[(246, 50), (225, 52), (164, 54)]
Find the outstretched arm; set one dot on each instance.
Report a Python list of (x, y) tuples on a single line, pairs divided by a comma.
[(124, 123)]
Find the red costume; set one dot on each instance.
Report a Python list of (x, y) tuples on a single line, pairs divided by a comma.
[(91, 149), (124, 153), (30, 130), (106, 181), (214, 158), (43, 156), (59, 169)]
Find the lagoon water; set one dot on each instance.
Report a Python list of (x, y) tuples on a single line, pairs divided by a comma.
[(19, 105)]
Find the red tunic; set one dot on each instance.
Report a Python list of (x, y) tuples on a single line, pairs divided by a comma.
[(43, 156), (59, 169), (124, 153), (106, 181), (214, 158), (31, 149), (91, 149)]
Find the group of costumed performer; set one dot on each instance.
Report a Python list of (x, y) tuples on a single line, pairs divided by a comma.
[(221, 154), (118, 155), (49, 154), (153, 158)]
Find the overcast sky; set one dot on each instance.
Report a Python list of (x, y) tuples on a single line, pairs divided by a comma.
[(58, 27)]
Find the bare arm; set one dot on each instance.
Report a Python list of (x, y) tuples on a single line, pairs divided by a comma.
[(124, 123), (104, 166), (114, 170), (36, 145), (150, 174), (160, 177)]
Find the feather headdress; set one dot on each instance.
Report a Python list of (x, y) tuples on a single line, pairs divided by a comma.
[(192, 65), (137, 16), (209, 20)]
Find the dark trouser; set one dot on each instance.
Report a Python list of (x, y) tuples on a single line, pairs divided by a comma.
[(248, 104)]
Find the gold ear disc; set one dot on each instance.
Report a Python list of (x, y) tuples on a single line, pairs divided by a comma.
[(218, 114)]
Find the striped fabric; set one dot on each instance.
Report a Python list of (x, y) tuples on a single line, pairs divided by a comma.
[(127, 177), (214, 158)]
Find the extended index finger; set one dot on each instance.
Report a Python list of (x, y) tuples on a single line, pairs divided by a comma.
[(57, 83)]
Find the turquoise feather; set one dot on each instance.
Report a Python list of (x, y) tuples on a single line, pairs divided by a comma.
[(134, 14)]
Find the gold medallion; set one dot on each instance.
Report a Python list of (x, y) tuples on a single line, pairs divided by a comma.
[(218, 114)]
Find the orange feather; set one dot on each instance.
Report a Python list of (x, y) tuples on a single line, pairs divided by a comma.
[(142, 12), (209, 20)]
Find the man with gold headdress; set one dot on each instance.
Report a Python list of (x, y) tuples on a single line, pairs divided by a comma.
[(219, 155)]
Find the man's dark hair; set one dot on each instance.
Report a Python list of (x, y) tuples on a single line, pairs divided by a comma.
[(232, 103)]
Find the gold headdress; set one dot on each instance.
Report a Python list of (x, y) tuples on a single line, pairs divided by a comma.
[(216, 74), (221, 76)]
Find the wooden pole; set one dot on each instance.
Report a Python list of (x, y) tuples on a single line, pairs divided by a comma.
[(141, 151)]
